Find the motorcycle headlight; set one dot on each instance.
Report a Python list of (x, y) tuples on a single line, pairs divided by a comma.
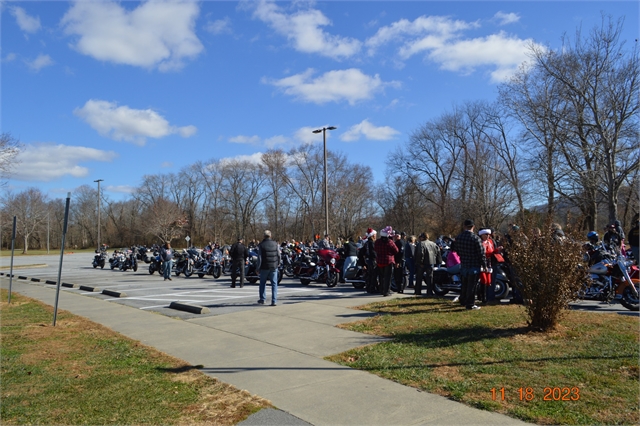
[(332, 261)]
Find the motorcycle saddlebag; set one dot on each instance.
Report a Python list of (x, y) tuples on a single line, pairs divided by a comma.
[(351, 273)]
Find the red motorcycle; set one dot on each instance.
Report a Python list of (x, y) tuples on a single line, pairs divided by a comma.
[(317, 266)]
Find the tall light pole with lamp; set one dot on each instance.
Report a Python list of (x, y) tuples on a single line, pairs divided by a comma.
[(326, 190), (99, 180)]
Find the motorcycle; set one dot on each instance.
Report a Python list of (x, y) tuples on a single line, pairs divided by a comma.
[(319, 267), (100, 259), (251, 272), (614, 277), (117, 259), (357, 276), (130, 261), (209, 264), (183, 264), (444, 282), (155, 263), (286, 262)]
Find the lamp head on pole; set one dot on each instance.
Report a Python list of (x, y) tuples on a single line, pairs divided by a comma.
[(317, 131)]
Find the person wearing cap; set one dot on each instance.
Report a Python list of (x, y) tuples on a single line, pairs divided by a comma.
[(269, 260), (427, 254), (239, 254), (472, 259), (385, 259), (612, 238)]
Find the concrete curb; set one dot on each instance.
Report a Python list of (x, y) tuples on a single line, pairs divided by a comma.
[(88, 288), (113, 293), (50, 282), (68, 285), (22, 278), (35, 280), (194, 309)]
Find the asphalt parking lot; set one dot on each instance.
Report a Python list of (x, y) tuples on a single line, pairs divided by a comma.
[(150, 292)]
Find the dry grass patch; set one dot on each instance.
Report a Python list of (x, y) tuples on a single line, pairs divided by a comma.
[(80, 372)]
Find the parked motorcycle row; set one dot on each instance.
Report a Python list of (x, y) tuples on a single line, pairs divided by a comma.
[(612, 277)]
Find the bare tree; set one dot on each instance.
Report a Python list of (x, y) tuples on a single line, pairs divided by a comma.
[(9, 149), (30, 209), (600, 82)]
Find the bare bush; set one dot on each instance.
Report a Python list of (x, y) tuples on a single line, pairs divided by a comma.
[(548, 267)]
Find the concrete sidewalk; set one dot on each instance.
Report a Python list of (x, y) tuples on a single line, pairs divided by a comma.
[(276, 353)]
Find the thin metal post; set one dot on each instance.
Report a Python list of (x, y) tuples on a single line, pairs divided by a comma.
[(64, 234), (326, 189), (99, 180), (13, 245), (48, 229)]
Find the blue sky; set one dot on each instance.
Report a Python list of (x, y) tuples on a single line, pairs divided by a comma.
[(116, 90)]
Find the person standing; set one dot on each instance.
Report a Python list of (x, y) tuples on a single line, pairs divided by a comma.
[(166, 254), (488, 293), (398, 270), (239, 254), (409, 251), (472, 259), (427, 255), (369, 254), (350, 250), (385, 255), (269, 259)]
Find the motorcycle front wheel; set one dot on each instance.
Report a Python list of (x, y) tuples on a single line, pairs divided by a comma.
[(102, 265), (216, 272), (112, 266), (629, 299), (304, 282), (135, 267), (189, 271), (95, 266), (288, 271), (151, 269), (332, 279)]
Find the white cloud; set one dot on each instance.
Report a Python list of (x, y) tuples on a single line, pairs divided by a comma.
[(123, 189), (275, 141), (369, 131), (219, 26), (350, 85), (304, 30), (40, 62), (10, 57), (155, 34), (166, 164), (306, 135), (47, 162), (124, 123), (442, 41), (27, 23), (242, 139), (255, 158), (506, 18)]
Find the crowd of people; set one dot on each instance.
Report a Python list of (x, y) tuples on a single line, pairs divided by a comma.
[(410, 260)]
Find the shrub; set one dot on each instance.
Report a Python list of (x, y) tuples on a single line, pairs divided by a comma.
[(548, 267)]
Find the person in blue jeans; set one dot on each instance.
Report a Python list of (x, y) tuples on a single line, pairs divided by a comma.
[(166, 254), (472, 258), (269, 260)]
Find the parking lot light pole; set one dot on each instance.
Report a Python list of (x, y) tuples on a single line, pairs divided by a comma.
[(99, 180), (326, 190)]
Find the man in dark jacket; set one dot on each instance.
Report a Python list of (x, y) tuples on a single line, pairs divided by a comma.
[(398, 271), (239, 254), (634, 238), (269, 259), (472, 259), (427, 255), (370, 257)]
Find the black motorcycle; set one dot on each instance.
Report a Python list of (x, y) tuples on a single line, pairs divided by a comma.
[(183, 264), (155, 263), (100, 259), (130, 261)]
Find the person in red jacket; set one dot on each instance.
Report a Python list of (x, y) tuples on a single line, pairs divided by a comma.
[(385, 258), (488, 294)]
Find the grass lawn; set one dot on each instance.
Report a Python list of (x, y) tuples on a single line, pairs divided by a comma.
[(80, 372), (584, 372)]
